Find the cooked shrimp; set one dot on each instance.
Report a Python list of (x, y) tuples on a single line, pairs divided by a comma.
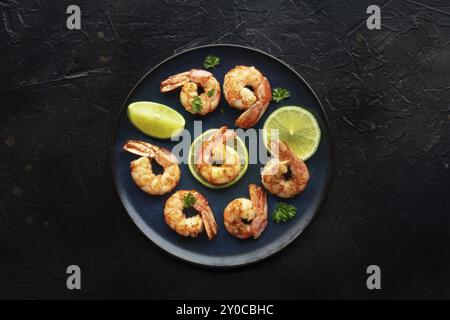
[(217, 162), (141, 169), (239, 96), (192, 226), (246, 218), (190, 81), (285, 163)]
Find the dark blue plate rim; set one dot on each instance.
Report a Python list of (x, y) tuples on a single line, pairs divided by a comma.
[(186, 255)]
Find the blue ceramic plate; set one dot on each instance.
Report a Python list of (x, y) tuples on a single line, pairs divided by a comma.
[(147, 211)]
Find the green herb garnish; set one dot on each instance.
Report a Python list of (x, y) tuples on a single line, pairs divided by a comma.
[(197, 104), (283, 212), (189, 201), (211, 62), (279, 94), (211, 92)]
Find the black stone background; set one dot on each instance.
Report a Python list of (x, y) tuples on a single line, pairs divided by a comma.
[(386, 92)]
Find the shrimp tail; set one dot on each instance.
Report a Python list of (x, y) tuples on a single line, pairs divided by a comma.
[(258, 226), (140, 148), (288, 157), (175, 81), (145, 149), (281, 150), (252, 115), (259, 198), (201, 205)]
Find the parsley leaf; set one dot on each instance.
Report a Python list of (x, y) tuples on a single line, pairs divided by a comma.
[(211, 62), (189, 201), (283, 212), (211, 92), (197, 104), (279, 94)]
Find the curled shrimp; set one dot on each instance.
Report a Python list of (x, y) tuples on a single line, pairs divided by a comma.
[(190, 226), (141, 169), (239, 96), (246, 218), (190, 81), (274, 174), (217, 162)]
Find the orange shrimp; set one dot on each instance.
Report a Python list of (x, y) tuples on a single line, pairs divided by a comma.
[(238, 95)]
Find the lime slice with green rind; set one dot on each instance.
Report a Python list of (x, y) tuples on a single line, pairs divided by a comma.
[(297, 127), (155, 119), (193, 151)]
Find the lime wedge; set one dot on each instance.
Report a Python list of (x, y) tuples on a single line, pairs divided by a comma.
[(155, 119), (193, 151), (297, 127)]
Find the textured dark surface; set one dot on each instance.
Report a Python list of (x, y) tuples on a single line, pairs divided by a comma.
[(386, 93)]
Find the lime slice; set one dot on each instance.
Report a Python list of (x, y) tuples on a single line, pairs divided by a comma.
[(155, 119), (193, 151), (297, 127)]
